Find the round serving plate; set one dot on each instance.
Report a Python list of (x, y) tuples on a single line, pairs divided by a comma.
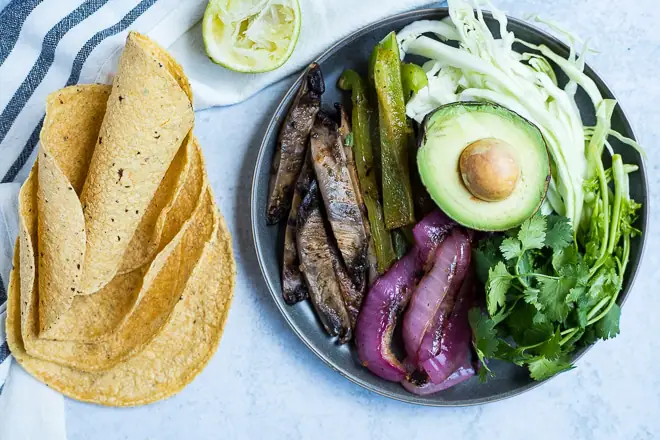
[(353, 52)]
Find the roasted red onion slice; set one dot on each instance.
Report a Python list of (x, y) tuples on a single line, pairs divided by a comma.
[(430, 345), (434, 297), (385, 300), (389, 295), (430, 232), (455, 339), (425, 387)]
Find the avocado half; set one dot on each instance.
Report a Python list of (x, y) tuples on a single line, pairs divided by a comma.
[(470, 150)]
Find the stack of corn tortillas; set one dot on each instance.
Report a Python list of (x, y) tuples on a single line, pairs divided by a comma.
[(123, 270)]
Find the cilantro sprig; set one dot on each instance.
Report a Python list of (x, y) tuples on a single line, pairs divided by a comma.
[(542, 298)]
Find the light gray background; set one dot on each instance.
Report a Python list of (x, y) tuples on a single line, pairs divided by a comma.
[(264, 383)]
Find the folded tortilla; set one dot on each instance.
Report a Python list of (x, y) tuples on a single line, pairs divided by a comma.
[(110, 173), (156, 308), (148, 115), (73, 119), (96, 317), (170, 360)]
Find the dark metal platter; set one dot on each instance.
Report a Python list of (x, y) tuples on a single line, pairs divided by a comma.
[(353, 52)]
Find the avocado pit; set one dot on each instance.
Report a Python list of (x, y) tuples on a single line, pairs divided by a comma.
[(489, 169)]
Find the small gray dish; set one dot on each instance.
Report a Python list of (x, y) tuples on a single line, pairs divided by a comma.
[(353, 52)]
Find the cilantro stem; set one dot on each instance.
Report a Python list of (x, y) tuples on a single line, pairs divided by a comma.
[(597, 307), (605, 206), (612, 299), (569, 334), (567, 331), (619, 264), (524, 348), (619, 188), (627, 168), (538, 275), (625, 254), (521, 279), (602, 314)]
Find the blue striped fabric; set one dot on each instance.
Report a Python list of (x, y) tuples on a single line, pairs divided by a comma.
[(24, 155), (3, 295), (80, 59), (4, 351), (43, 63), (12, 18), (100, 36)]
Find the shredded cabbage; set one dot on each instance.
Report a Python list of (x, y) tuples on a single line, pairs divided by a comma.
[(485, 68)]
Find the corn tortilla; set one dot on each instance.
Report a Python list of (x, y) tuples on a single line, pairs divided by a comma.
[(73, 119), (60, 221), (157, 293), (146, 239), (113, 302), (170, 361), (95, 317), (148, 115), (80, 320)]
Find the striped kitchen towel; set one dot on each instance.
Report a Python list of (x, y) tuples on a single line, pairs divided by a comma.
[(48, 44)]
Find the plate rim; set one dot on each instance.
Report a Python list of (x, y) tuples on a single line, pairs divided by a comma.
[(275, 291)]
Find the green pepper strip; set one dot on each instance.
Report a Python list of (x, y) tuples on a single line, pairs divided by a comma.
[(398, 205), (413, 79), (350, 80)]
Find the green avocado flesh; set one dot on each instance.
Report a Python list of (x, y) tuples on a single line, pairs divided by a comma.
[(449, 130)]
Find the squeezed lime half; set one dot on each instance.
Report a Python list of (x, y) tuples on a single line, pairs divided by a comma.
[(251, 36)]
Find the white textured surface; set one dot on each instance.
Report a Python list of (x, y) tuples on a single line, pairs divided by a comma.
[(264, 383)]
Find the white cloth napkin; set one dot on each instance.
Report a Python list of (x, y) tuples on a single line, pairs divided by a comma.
[(48, 44)]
